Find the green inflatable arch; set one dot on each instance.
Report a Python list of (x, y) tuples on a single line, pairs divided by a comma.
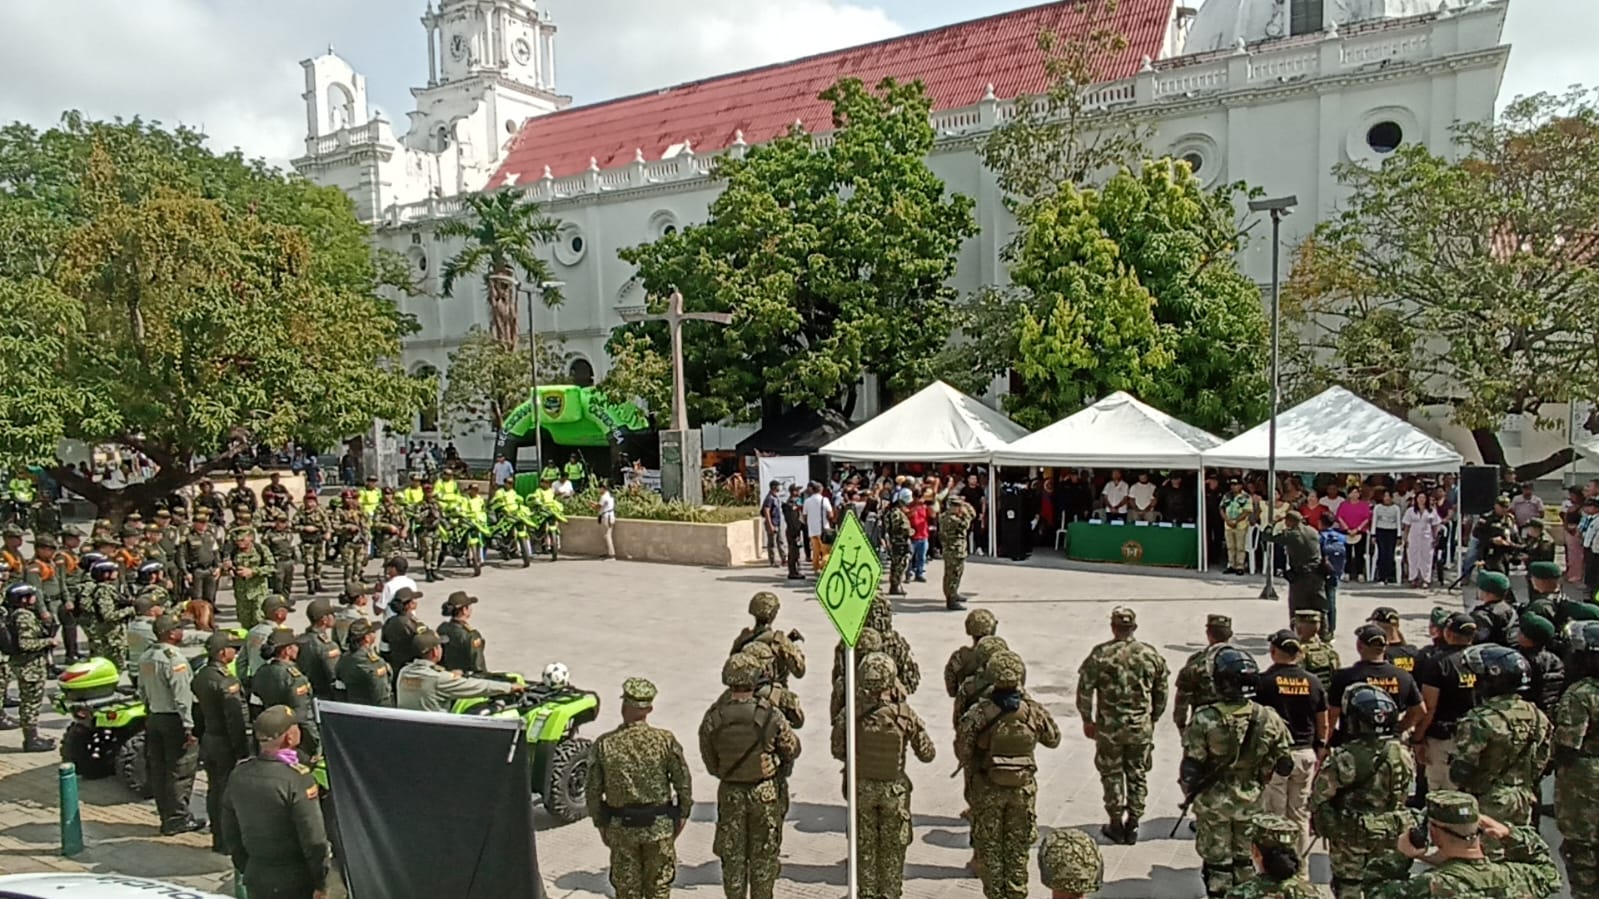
[(576, 417)]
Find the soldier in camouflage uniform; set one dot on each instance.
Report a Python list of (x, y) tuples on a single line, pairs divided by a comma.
[(745, 743), (1316, 655), (107, 615), (427, 519), (352, 532), (1195, 686), (315, 528), (1274, 851), (897, 527), (34, 632), (781, 698), (996, 740), (962, 662), (880, 617), (1129, 678), (1456, 864), (1576, 757), (639, 796), (1230, 750), (279, 541), (1503, 744), (153, 549), (884, 727), (1358, 798), (1069, 864), (953, 527), (790, 658), (388, 526), (251, 567)]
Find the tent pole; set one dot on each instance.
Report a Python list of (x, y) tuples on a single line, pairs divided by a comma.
[(993, 508), (1203, 562)]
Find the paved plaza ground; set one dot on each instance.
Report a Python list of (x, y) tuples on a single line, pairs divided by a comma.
[(611, 620)]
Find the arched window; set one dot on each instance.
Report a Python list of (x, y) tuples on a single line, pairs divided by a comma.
[(441, 138), (427, 421), (581, 372), (1305, 16), (341, 108)]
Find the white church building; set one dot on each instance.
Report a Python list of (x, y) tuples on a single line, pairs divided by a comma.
[(1271, 92)]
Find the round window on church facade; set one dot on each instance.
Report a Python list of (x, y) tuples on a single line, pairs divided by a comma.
[(572, 246), (1196, 162), (1385, 137)]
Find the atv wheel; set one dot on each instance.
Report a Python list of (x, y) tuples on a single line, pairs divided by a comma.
[(77, 747), (564, 794), (131, 766)]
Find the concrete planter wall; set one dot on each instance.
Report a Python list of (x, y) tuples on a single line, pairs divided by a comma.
[(672, 542)]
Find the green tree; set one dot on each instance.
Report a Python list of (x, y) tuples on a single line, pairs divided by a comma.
[(500, 230), (1467, 280), (485, 380), (182, 304), (833, 260)]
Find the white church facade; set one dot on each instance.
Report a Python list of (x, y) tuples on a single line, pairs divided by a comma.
[(1271, 92)]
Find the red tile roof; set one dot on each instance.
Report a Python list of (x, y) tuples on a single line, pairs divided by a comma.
[(956, 63)]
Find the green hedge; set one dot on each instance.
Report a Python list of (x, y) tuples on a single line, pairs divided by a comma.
[(649, 506)]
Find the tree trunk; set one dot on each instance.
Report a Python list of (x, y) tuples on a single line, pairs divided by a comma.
[(502, 311), (1552, 462), (1493, 452)]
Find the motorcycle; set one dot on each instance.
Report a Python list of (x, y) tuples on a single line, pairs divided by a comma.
[(547, 520), (464, 538), (511, 533)]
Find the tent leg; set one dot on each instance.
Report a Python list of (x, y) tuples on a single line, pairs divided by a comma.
[(993, 509), (1200, 519)]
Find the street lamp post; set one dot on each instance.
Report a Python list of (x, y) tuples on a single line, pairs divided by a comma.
[(1279, 208)]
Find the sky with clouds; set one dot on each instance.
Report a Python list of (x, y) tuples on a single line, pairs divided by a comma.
[(233, 67)]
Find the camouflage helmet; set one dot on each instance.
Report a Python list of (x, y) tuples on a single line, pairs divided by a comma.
[(1006, 670), (1069, 862), (760, 651), (741, 671), (870, 640), (877, 672), (981, 623), (987, 647), (1274, 832), (764, 605)]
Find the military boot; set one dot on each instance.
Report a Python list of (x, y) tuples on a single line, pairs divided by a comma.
[(1113, 831), (9, 723), (1130, 831), (32, 742)]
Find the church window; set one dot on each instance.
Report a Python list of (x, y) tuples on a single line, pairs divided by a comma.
[(1305, 16), (1196, 162), (441, 138), (341, 108), (1385, 137)]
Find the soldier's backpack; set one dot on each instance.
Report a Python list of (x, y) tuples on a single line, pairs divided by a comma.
[(9, 645)]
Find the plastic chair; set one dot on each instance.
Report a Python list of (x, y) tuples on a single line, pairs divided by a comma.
[(1060, 535)]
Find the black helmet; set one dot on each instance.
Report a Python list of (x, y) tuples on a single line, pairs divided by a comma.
[(1370, 711), (1500, 670), (87, 560), (104, 570), (150, 572), (1233, 673), (17, 593)]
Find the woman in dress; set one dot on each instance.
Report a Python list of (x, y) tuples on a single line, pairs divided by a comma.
[(1421, 539)]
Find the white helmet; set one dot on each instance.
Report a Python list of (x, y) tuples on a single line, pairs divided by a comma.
[(556, 675)]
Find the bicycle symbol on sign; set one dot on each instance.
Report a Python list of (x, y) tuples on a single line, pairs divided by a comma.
[(852, 576)]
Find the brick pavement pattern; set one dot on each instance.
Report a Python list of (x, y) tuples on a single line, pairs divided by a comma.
[(612, 620)]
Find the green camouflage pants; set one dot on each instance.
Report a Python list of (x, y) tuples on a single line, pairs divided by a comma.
[(883, 826), (352, 557), (749, 825), (641, 870), (1582, 868), (427, 546), (1223, 843), (1509, 804), (1367, 858), (1123, 774), (314, 553), (899, 561), (954, 568), (110, 642), (1576, 792), (30, 692), (248, 595), (1004, 826), (282, 580)]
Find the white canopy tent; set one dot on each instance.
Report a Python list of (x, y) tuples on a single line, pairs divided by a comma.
[(1338, 431), (937, 424), (1119, 431)]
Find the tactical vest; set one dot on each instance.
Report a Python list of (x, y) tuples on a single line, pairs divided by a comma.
[(880, 751), (741, 736), (1010, 744), (1520, 721)]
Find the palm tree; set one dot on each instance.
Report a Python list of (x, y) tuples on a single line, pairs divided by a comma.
[(500, 230)]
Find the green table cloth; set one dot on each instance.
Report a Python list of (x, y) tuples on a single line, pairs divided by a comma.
[(1131, 544)]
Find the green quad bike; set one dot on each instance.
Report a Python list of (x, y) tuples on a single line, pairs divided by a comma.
[(558, 759)]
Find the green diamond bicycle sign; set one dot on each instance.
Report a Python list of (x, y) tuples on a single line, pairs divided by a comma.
[(848, 582)]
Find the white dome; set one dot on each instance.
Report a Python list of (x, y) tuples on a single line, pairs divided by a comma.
[(1220, 24)]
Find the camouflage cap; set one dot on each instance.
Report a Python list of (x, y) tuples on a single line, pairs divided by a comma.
[(877, 672), (1123, 615), (981, 623), (1069, 862), (1548, 571), (274, 723), (1006, 670), (1274, 832), (988, 647), (764, 605), (1455, 811), (1218, 621), (1493, 583), (870, 640), (638, 693), (741, 671)]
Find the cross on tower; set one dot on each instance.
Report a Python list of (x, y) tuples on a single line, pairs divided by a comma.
[(674, 316)]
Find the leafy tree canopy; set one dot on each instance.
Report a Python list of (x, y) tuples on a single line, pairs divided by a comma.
[(1469, 281), (833, 261), (183, 304), (486, 380), (499, 231)]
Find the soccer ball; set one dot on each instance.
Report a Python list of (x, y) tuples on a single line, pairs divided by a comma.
[(556, 675)]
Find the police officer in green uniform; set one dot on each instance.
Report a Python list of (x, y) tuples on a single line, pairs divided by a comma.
[(220, 724), (576, 471), (463, 643), (271, 820), (364, 676), (282, 683), (171, 746), (200, 558), (426, 686), (319, 652), (279, 541)]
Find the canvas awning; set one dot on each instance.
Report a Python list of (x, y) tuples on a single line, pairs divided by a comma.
[(1338, 431), (1118, 430), (938, 424)]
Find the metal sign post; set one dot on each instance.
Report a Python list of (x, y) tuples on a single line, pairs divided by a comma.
[(849, 772)]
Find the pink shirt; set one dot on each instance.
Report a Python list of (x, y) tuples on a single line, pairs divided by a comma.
[(1354, 515)]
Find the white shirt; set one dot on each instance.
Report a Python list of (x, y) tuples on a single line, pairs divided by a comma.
[(503, 471), (1331, 504), (607, 505), (1143, 494), (563, 487), (1114, 493), (391, 587), (818, 510), (1386, 517)]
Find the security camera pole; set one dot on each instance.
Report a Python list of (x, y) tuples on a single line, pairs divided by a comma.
[(1279, 208)]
